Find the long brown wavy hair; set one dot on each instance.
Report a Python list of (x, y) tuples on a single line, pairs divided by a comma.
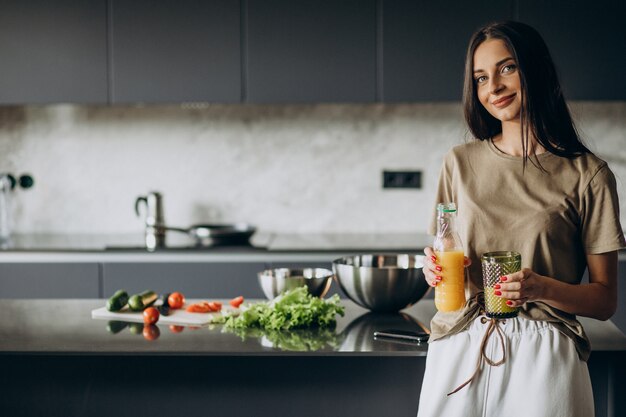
[(544, 113)]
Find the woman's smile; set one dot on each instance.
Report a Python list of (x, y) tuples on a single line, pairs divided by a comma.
[(504, 101)]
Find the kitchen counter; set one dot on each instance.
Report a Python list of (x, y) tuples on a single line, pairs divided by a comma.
[(265, 247), (58, 361), (178, 241), (65, 327)]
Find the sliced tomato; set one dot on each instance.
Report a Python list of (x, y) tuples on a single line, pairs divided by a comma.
[(236, 302), (215, 306), (201, 307), (176, 329)]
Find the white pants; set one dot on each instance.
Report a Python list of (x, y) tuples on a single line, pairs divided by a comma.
[(541, 376)]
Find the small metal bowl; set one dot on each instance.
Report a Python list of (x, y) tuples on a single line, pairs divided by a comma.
[(382, 283), (276, 281)]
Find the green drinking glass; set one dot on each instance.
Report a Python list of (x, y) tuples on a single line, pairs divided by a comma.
[(496, 264)]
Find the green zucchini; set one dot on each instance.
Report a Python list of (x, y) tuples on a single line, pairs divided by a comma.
[(139, 302), (116, 326), (117, 300)]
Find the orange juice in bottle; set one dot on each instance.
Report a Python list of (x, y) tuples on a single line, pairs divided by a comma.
[(450, 291)]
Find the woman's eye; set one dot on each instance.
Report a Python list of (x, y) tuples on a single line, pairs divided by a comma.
[(509, 68), (481, 79)]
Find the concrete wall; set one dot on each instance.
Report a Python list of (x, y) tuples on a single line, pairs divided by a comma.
[(305, 168)]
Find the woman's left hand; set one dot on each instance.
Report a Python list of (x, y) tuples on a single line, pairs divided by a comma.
[(521, 287)]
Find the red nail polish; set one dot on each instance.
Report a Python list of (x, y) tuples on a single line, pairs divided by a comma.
[(503, 278), (498, 293), (438, 278), (509, 303), (497, 286), (432, 258), (438, 268)]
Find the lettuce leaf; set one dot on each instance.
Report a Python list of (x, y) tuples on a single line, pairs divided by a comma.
[(301, 340), (291, 310)]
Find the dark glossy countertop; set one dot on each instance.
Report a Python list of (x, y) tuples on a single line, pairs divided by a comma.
[(65, 327)]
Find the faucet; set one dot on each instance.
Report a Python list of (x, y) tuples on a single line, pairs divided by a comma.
[(5, 211), (7, 184), (154, 220)]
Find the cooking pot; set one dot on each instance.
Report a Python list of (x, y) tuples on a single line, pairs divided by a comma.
[(218, 234)]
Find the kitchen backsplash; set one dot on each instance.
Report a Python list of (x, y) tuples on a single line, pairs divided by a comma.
[(290, 168)]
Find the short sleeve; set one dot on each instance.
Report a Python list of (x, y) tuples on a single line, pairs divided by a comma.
[(600, 221), (444, 190)]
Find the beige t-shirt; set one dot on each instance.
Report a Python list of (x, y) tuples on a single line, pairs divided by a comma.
[(553, 218)]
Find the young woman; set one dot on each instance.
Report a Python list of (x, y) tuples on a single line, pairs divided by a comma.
[(529, 185)]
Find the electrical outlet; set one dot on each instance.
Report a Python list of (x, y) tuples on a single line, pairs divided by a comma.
[(402, 179)]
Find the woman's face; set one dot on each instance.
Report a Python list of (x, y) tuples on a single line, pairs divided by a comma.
[(497, 80)]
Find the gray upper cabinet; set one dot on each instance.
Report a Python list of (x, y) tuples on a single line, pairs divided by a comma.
[(53, 51), (587, 41), (311, 51), (286, 51), (424, 45), (175, 51)]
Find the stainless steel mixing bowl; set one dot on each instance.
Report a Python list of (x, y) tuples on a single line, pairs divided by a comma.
[(276, 281), (382, 283)]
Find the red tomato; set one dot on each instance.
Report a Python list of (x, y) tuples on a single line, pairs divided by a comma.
[(151, 332), (215, 306), (176, 300), (176, 329), (150, 315), (236, 302), (201, 307)]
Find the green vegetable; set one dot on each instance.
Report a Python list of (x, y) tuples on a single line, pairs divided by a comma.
[(301, 340), (163, 310), (291, 310), (116, 326), (164, 301), (139, 302), (117, 300), (135, 328)]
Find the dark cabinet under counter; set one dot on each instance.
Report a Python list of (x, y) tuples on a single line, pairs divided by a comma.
[(58, 361), (49, 280)]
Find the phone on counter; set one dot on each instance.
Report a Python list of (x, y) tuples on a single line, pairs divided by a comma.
[(404, 335)]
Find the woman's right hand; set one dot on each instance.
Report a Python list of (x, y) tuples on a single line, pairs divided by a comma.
[(432, 270)]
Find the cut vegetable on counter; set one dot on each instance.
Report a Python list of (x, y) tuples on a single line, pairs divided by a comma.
[(139, 302), (293, 309), (169, 308)]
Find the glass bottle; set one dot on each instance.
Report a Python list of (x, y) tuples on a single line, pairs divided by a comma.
[(450, 291)]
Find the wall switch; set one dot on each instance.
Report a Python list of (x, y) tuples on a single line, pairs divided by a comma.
[(402, 179)]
